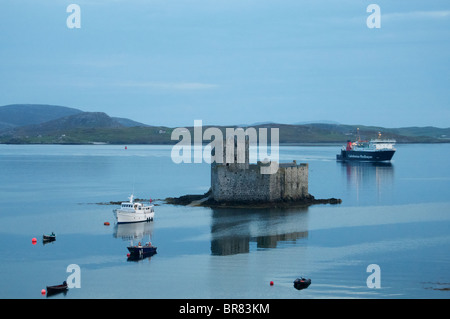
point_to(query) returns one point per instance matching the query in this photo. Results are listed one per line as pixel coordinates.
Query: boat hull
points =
(124, 217)
(366, 156)
(142, 250)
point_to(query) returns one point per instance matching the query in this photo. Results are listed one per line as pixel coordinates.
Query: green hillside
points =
(49, 124)
(289, 134)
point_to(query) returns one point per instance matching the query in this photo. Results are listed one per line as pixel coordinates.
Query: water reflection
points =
(133, 231)
(370, 176)
(141, 232)
(54, 293)
(234, 230)
(137, 258)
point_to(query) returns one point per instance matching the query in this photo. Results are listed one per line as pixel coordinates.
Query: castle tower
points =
(234, 179)
(234, 152)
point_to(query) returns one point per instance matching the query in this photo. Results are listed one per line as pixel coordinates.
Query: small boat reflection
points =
(48, 238)
(57, 289)
(137, 258)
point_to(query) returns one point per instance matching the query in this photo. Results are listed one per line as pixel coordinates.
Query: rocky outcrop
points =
(205, 200)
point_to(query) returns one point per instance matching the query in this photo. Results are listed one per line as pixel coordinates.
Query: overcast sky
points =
(170, 62)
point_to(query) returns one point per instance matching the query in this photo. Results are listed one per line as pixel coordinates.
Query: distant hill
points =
(404, 134)
(128, 122)
(340, 133)
(50, 124)
(84, 120)
(15, 115)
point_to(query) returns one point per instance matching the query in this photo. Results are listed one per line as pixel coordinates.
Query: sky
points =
(227, 62)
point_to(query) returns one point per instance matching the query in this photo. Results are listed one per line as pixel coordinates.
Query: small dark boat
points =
(48, 238)
(142, 250)
(302, 283)
(53, 290)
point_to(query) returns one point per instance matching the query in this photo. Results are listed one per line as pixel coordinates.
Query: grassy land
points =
(292, 134)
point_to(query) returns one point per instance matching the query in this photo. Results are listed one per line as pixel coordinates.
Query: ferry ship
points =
(375, 150)
(131, 212)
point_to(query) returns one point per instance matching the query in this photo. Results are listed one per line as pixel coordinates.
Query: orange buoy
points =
(106, 223)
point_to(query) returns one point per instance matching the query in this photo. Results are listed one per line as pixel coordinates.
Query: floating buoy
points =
(34, 241)
(271, 283)
(128, 255)
(43, 292)
(126, 147)
(106, 223)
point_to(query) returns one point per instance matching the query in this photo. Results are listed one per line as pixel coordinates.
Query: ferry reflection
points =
(368, 176)
(234, 231)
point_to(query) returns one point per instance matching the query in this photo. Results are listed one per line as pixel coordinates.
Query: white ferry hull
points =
(132, 217)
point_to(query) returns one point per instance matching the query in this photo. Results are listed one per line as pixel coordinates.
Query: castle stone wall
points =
(244, 182)
(232, 183)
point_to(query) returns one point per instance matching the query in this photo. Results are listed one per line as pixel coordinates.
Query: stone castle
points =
(240, 181)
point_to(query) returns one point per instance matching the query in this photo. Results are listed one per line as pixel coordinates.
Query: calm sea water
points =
(396, 216)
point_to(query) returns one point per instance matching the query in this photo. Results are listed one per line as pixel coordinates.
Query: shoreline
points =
(443, 141)
(205, 200)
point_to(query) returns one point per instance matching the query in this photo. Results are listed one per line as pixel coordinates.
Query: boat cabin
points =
(382, 144)
(136, 206)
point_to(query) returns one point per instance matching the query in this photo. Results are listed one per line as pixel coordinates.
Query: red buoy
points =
(34, 241)
(106, 223)
(43, 292)
(128, 255)
(271, 283)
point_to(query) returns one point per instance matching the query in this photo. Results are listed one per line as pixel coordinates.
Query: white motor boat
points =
(131, 212)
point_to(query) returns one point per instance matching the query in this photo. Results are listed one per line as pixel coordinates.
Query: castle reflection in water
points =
(239, 230)
(234, 231)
